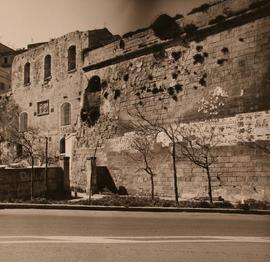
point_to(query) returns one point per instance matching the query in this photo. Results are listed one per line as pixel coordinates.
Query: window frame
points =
(23, 123)
(63, 123)
(44, 113)
(47, 67)
(72, 56)
(27, 74)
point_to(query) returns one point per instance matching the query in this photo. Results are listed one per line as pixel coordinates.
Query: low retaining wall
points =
(16, 183)
(241, 172)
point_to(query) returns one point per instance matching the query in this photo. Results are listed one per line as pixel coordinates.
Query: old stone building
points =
(6, 57)
(47, 82)
(168, 71)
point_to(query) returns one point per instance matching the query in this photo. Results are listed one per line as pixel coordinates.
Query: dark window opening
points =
(47, 67)
(72, 58)
(23, 123)
(94, 85)
(27, 73)
(90, 112)
(62, 145)
(65, 114)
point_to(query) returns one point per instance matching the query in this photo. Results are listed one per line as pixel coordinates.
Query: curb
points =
(131, 209)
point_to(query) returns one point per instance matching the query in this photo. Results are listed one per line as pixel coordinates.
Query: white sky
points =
(27, 21)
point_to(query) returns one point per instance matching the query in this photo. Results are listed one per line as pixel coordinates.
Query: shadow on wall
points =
(105, 181)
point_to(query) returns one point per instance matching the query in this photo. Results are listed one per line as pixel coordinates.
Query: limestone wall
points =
(16, 183)
(172, 79)
(242, 170)
(236, 60)
(63, 86)
(5, 80)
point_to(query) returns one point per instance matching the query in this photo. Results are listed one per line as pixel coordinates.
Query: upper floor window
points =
(72, 58)
(2, 86)
(47, 67)
(23, 122)
(66, 114)
(27, 73)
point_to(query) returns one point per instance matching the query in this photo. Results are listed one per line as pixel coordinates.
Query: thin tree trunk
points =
(175, 174)
(152, 187)
(0, 155)
(209, 185)
(32, 175)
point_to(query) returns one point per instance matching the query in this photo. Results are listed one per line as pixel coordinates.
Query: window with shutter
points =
(65, 114)
(27, 73)
(23, 123)
(47, 67)
(72, 58)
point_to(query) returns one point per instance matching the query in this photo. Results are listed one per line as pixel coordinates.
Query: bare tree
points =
(143, 147)
(8, 120)
(199, 140)
(146, 126)
(199, 146)
(31, 144)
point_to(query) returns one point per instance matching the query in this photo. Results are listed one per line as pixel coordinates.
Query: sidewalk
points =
(130, 209)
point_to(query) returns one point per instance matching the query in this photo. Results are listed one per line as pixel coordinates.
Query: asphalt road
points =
(78, 236)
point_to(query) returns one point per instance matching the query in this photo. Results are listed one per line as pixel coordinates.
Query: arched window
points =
(27, 73)
(23, 122)
(71, 58)
(47, 67)
(66, 114)
(62, 145)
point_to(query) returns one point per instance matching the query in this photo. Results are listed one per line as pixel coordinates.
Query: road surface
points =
(80, 236)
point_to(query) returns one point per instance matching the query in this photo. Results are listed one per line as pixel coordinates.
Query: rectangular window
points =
(43, 108)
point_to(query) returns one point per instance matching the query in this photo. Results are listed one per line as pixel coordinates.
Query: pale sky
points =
(28, 21)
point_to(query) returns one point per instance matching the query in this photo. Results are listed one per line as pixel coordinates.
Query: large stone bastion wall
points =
(222, 53)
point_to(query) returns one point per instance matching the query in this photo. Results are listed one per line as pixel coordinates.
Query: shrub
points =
(131, 201)
(253, 204)
(217, 19)
(166, 28)
(223, 204)
(190, 29)
(201, 8)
